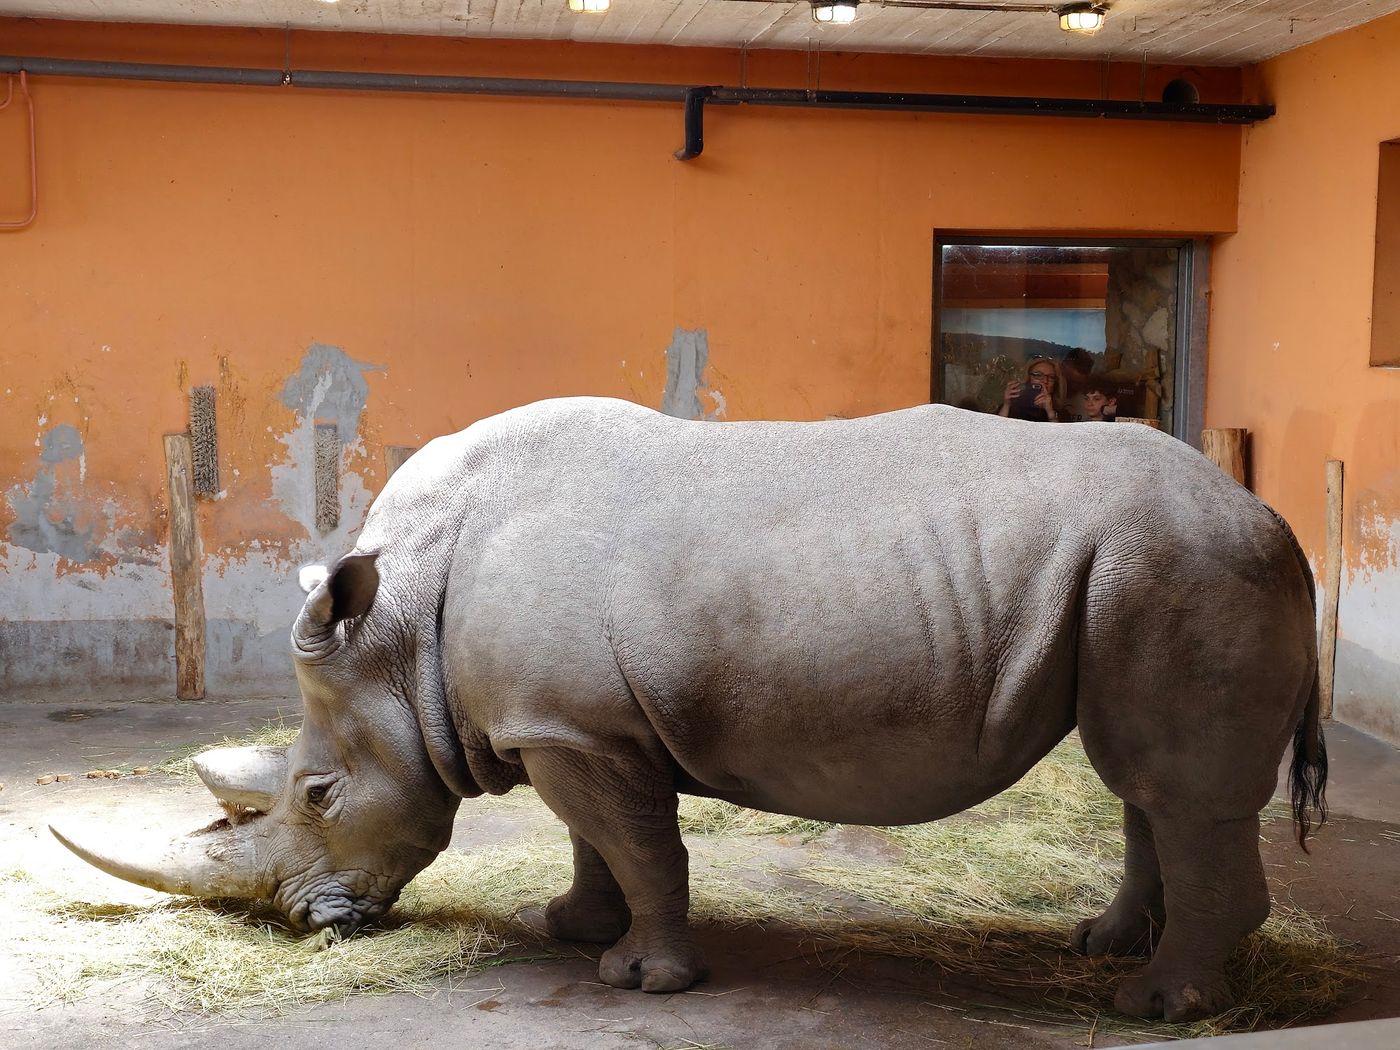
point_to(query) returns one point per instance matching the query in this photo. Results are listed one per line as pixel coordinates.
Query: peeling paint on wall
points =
(43, 522)
(1368, 644)
(686, 360)
(328, 388)
(1377, 529)
(37, 588)
(61, 444)
(1370, 602)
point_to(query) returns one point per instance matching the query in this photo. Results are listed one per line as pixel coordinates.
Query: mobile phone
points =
(1025, 400)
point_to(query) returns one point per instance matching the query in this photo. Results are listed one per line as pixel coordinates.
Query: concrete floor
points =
(766, 989)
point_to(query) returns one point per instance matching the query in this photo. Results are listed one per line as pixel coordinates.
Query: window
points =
(1110, 317)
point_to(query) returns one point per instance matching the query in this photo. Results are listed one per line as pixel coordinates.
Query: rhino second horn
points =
(245, 776)
(219, 862)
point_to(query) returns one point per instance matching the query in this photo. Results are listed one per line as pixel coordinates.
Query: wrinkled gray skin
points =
(874, 621)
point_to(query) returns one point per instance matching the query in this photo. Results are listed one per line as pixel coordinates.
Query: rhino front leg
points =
(1138, 910)
(1216, 895)
(594, 909)
(625, 809)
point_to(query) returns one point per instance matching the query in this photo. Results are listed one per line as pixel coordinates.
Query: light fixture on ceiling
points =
(834, 12)
(589, 7)
(1082, 18)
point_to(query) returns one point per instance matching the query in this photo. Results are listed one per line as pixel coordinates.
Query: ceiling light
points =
(834, 12)
(1081, 18)
(589, 7)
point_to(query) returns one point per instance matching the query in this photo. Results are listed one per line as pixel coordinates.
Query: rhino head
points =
(331, 828)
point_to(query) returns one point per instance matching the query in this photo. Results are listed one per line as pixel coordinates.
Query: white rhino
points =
(873, 621)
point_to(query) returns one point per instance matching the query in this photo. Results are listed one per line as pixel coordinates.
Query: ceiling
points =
(1193, 32)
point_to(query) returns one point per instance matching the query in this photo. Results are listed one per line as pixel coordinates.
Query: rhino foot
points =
(596, 920)
(1174, 997)
(653, 963)
(1116, 932)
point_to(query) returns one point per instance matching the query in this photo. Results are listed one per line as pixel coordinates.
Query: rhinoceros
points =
(874, 621)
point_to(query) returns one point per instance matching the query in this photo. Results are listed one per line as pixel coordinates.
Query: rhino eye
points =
(316, 795)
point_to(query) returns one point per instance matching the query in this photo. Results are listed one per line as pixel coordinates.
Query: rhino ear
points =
(345, 591)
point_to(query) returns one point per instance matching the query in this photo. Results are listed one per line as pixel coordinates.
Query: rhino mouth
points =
(342, 902)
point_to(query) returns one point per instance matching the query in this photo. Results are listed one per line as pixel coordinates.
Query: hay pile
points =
(215, 958)
(989, 896)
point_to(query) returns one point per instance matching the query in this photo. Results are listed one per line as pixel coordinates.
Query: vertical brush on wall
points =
(327, 477)
(204, 441)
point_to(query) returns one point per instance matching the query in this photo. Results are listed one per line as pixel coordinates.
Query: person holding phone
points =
(1039, 397)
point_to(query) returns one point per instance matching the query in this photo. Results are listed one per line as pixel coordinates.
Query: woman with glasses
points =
(1039, 397)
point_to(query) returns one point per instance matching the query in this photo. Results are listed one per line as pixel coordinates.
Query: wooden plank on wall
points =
(1225, 447)
(395, 456)
(185, 569)
(1331, 586)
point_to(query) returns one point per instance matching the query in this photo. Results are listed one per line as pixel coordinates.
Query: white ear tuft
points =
(312, 576)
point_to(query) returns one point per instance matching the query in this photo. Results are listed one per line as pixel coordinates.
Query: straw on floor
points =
(989, 896)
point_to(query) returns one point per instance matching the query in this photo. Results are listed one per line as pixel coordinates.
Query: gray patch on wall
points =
(686, 359)
(61, 444)
(330, 384)
(39, 525)
(328, 390)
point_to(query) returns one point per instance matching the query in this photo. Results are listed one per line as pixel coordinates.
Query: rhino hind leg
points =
(595, 909)
(1135, 918)
(625, 811)
(1216, 894)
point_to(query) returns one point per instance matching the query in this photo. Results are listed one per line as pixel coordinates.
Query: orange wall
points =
(483, 253)
(1290, 337)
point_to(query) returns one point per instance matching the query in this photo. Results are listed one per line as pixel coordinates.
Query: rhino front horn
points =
(245, 776)
(220, 861)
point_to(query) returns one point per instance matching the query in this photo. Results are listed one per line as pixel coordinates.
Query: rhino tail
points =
(1307, 776)
(1307, 779)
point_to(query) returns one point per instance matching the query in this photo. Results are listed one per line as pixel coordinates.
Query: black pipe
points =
(694, 122)
(693, 98)
(315, 78)
(67, 67)
(603, 90)
(999, 105)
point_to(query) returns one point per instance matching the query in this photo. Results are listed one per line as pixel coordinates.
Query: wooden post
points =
(185, 569)
(1331, 586)
(395, 456)
(1224, 446)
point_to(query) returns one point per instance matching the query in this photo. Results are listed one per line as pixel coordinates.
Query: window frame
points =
(1193, 313)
